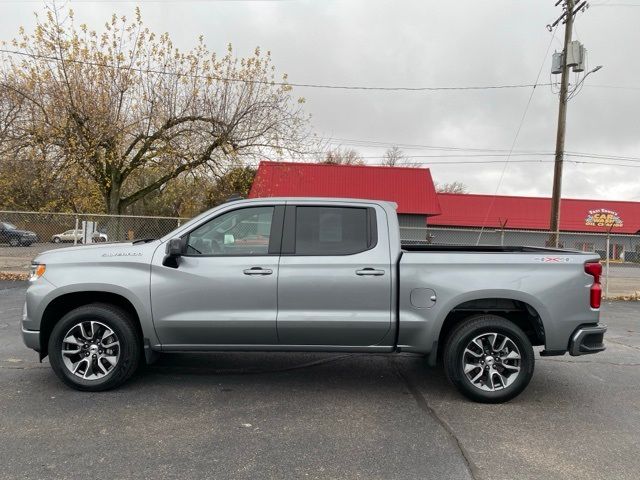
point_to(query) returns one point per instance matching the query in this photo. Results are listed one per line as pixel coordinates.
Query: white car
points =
(73, 235)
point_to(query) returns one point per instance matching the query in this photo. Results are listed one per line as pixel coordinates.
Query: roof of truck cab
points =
(411, 189)
(315, 199)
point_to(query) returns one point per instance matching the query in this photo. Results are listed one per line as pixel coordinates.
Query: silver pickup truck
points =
(311, 274)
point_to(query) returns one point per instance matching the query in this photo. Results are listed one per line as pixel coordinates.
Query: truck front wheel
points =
(94, 347)
(488, 359)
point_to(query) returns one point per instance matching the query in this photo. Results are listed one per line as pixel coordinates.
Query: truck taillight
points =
(595, 293)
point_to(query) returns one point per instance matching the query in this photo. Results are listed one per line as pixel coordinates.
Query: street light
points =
(579, 84)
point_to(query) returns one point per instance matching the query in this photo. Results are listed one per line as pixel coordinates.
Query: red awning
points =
(463, 210)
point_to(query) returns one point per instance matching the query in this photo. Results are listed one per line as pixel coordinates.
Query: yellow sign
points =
(602, 217)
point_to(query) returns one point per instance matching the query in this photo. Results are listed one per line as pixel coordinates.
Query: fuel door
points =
(423, 297)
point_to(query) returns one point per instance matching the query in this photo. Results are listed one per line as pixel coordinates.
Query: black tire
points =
(121, 323)
(56, 240)
(460, 338)
(14, 242)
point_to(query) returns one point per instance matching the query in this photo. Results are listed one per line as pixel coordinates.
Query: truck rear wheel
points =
(489, 359)
(94, 347)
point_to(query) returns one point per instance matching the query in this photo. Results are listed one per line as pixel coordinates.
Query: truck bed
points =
(483, 249)
(436, 279)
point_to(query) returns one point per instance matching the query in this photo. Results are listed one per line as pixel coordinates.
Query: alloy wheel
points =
(90, 350)
(491, 361)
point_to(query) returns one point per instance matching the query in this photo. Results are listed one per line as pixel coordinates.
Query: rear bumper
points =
(588, 339)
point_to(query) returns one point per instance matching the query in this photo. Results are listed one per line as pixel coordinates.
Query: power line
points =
(268, 82)
(411, 146)
(151, 1)
(602, 156)
(613, 87)
(484, 162)
(492, 156)
(510, 153)
(616, 5)
(466, 162)
(462, 155)
(515, 138)
(490, 151)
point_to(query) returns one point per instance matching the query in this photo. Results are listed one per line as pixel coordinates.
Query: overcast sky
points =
(431, 43)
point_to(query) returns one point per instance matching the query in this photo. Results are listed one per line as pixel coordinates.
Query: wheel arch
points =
(63, 304)
(517, 307)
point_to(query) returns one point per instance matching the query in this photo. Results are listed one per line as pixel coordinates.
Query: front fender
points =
(42, 293)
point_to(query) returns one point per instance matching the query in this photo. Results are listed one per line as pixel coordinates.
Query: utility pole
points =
(562, 123)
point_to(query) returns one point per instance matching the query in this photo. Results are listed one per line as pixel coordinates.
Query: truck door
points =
(224, 290)
(334, 283)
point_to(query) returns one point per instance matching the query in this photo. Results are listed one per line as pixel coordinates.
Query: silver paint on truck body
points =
(312, 303)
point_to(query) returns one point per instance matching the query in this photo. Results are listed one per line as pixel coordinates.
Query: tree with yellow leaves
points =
(126, 104)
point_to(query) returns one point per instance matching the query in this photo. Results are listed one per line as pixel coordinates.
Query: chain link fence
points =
(26, 234)
(69, 227)
(621, 247)
(23, 235)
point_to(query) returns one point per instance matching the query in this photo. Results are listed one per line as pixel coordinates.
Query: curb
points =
(634, 297)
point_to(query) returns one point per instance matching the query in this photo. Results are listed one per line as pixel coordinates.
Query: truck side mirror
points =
(176, 247)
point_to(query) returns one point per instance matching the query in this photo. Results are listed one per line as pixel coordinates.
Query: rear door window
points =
(332, 230)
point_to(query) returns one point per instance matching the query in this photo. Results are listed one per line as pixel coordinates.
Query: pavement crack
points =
(616, 364)
(424, 405)
(21, 367)
(254, 371)
(618, 342)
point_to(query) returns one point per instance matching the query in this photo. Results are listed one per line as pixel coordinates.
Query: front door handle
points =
(257, 271)
(370, 271)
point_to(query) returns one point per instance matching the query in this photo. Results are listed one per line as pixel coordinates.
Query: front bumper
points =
(30, 329)
(588, 339)
(31, 339)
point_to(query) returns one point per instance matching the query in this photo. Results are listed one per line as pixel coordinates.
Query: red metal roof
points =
(411, 188)
(463, 210)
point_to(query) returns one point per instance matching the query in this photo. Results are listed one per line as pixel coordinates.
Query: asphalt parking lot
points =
(320, 416)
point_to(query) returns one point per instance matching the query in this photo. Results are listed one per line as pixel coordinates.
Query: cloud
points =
(431, 43)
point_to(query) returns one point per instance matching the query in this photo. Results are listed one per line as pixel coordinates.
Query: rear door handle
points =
(370, 271)
(257, 271)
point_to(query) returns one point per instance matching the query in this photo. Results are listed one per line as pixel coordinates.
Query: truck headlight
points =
(37, 270)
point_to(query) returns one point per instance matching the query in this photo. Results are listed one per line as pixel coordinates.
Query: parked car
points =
(72, 235)
(15, 237)
(311, 275)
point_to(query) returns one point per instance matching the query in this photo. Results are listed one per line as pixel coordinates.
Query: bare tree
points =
(127, 104)
(338, 156)
(453, 187)
(393, 157)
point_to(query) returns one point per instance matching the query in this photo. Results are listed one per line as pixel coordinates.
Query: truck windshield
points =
(10, 226)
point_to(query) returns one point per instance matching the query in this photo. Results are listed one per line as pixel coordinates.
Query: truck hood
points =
(97, 253)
